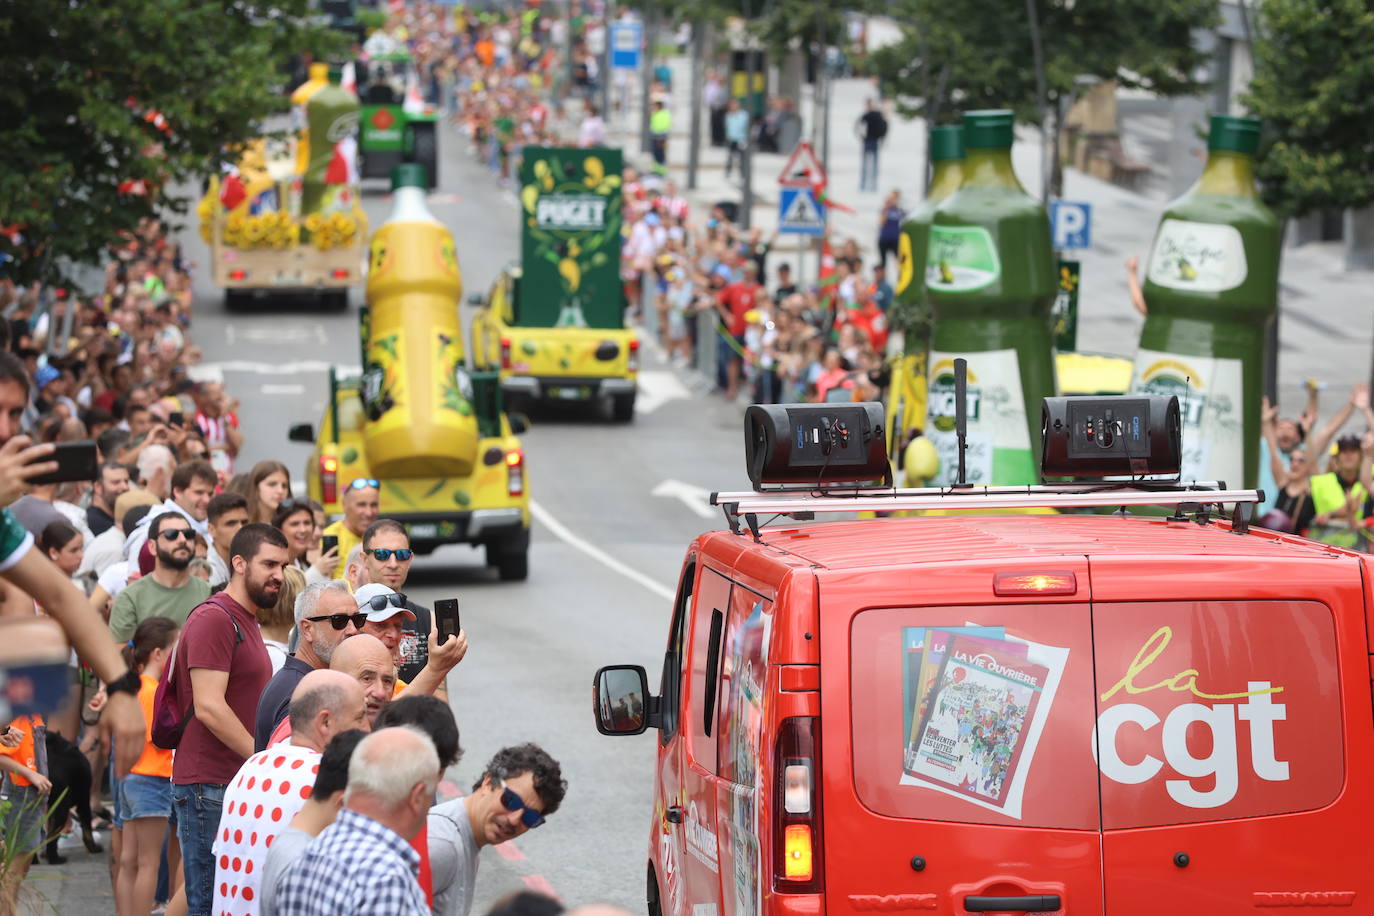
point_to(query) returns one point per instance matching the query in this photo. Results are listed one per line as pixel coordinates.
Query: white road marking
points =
(657, 388)
(283, 389)
(695, 498)
(215, 371)
(545, 518)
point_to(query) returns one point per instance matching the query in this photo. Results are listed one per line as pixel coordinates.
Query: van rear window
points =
(975, 715)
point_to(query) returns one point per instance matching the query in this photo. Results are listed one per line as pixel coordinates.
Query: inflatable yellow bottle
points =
(420, 417)
(319, 78)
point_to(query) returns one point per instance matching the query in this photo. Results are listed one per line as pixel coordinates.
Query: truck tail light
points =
(238, 275)
(796, 815)
(632, 363)
(515, 472)
(329, 478)
(505, 352)
(340, 273)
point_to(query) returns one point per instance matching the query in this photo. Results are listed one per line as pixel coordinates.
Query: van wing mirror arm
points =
(652, 717)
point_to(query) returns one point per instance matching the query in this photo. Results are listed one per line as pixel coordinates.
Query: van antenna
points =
(961, 416)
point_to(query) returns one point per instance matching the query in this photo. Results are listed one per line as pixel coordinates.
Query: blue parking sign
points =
(1070, 225)
(626, 37)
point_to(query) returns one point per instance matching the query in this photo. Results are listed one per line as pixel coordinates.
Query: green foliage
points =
(1314, 87)
(959, 55)
(77, 80)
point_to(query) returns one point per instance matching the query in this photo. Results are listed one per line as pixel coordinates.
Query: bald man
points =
(367, 659)
(272, 786)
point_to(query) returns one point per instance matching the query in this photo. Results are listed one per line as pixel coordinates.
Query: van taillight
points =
(796, 837)
(505, 352)
(515, 472)
(632, 363)
(329, 478)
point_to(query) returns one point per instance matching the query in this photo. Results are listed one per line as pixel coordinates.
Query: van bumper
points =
(794, 905)
(475, 526)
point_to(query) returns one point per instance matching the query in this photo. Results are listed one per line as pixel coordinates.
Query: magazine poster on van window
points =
(982, 722)
(924, 651)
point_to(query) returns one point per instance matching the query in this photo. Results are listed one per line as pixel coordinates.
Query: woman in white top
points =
(295, 518)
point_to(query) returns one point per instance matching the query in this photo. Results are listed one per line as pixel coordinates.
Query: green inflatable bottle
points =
(331, 117)
(1211, 289)
(913, 313)
(990, 281)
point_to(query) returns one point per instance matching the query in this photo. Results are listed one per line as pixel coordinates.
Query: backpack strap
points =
(238, 638)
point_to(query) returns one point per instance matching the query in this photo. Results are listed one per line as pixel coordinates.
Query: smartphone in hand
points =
(446, 619)
(75, 461)
(328, 542)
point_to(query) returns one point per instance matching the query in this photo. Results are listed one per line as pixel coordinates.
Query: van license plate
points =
(569, 394)
(423, 531)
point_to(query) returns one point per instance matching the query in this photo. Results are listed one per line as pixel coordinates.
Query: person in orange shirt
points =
(485, 50)
(25, 765)
(145, 796)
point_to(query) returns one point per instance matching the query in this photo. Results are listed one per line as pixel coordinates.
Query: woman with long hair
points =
(268, 484)
(276, 622)
(295, 518)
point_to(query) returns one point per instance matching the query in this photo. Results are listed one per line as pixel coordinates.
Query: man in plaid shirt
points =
(363, 863)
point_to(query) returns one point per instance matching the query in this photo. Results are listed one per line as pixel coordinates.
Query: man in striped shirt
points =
(219, 425)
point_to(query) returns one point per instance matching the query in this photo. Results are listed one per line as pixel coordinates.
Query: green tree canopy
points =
(1314, 87)
(959, 55)
(97, 94)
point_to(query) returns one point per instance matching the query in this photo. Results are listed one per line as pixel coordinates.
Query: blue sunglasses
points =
(512, 802)
(362, 483)
(383, 553)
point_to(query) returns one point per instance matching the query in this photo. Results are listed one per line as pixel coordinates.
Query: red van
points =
(1006, 714)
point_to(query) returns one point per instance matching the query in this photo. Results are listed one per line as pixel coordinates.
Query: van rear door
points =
(1235, 734)
(957, 766)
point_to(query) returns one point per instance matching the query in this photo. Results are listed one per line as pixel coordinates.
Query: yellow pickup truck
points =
(489, 507)
(565, 362)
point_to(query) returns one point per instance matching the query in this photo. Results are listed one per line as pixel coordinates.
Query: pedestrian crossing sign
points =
(799, 213)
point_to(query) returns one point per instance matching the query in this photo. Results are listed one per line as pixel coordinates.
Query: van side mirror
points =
(518, 422)
(622, 702)
(301, 432)
(475, 299)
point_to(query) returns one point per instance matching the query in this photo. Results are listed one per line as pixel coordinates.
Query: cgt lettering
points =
(1222, 762)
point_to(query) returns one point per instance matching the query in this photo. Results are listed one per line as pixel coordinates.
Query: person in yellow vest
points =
(1339, 498)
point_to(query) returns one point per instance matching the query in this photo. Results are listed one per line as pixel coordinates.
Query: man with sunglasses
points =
(360, 504)
(325, 617)
(522, 785)
(387, 557)
(387, 612)
(169, 590)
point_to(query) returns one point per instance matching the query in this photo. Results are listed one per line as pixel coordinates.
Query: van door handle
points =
(674, 814)
(1029, 903)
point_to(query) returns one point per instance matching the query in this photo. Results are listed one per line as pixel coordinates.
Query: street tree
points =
(108, 102)
(1313, 85)
(960, 55)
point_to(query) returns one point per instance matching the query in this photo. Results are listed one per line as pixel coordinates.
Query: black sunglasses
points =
(176, 534)
(512, 802)
(339, 621)
(380, 602)
(383, 554)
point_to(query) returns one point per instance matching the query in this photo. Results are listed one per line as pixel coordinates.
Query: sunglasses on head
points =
(512, 802)
(383, 554)
(362, 483)
(380, 602)
(175, 534)
(339, 621)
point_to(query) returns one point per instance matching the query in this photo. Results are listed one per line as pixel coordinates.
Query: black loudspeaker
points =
(1130, 435)
(816, 444)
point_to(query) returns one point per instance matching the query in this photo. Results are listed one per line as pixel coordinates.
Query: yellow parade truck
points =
(447, 460)
(554, 327)
(290, 221)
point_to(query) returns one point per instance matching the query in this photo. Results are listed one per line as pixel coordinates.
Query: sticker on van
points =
(980, 706)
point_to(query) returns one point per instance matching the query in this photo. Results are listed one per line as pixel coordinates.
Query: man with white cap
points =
(387, 614)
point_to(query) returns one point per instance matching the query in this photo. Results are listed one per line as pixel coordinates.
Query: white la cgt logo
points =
(1257, 707)
(1259, 710)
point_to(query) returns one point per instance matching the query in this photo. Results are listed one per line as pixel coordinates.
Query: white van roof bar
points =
(804, 505)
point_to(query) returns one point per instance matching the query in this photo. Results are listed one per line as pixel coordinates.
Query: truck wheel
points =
(336, 300)
(623, 407)
(426, 151)
(654, 907)
(514, 567)
(234, 299)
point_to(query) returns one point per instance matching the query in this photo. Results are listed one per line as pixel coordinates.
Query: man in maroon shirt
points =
(220, 669)
(734, 302)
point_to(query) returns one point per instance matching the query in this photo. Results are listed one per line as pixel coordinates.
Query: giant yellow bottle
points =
(319, 78)
(420, 417)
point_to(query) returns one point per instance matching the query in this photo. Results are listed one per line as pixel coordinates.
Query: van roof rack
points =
(1196, 498)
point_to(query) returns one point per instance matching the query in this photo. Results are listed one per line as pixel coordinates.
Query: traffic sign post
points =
(626, 39)
(799, 213)
(1065, 313)
(1071, 225)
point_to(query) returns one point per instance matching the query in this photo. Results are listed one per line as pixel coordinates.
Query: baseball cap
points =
(1345, 443)
(372, 590)
(44, 375)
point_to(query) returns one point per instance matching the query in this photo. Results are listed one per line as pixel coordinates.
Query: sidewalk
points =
(1327, 324)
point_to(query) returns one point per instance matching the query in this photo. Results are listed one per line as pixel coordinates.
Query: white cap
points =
(372, 590)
